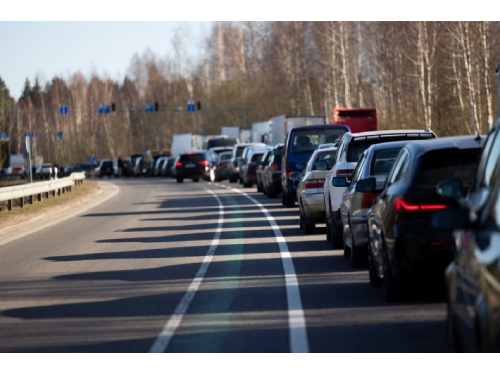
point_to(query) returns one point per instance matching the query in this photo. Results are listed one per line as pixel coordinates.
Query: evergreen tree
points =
(27, 89)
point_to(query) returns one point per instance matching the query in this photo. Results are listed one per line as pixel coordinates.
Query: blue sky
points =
(63, 48)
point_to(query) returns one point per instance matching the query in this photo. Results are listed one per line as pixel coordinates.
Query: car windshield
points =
(436, 167)
(328, 156)
(225, 156)
(383, 160)
(307, 141)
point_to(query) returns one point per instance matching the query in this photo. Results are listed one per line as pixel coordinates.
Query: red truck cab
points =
(358, 119)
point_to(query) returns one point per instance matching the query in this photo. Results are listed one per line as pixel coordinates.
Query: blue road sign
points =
(60, 135)
(3, 135)
(150, 108)
(31, 135)
(190, 105)
(104, 109)
(63, 110)
(91, 160)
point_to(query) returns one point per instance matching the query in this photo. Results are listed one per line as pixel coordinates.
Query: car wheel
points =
(347, 249)
(301, 222)
(394, 289)
(232, 178)
(196, 179)
(328, 231)
(375, 281)
(358, 258)
(309, 228)
(180, 180)
(335, 235)
(289, 199)
(259, 188)
(271, 193)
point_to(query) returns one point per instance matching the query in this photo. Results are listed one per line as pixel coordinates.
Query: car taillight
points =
(288, 173)
(252, 164)
(178, 164)
(404, 204)
(204, 163)
(315, 184)
(367, 199)
(347, 173)
(274, 168)
(191, 153)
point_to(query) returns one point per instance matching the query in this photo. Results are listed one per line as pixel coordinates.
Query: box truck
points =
(245, 136)
(231, 131)
(281, 125)
(183, 143)
(261, 132)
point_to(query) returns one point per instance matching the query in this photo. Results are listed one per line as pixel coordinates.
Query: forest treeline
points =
(438, 75)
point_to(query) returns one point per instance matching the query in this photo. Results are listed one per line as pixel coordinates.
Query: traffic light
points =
(157, 106)
(198, 106)
(113, 107)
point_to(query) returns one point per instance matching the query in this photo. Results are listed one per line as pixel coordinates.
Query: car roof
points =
(459, 142)
(331, 126)
(389, 145)
(348, 136)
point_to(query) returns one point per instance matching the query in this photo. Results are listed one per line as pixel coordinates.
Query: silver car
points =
(376, 161)
(310, 188)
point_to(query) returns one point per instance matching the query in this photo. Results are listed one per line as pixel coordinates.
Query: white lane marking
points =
(296, 319)
(175, 320)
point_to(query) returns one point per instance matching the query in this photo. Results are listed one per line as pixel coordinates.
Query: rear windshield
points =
(170, 162)
(193, 158)
(356, 148)
(225, 157)
(257, 157)
(436, 167)
(307, 141)
(221, 142)
(383, 160)
(239, 151)
(107, 164)
(328, 156)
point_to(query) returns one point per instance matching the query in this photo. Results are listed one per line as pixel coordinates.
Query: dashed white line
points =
(166, 335)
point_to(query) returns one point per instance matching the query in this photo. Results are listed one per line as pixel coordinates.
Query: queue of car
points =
(414, 209)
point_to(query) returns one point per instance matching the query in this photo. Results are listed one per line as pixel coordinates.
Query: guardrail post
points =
(21, 202)
(39, 197)
(58, 192)
(53, 193)
(32, 199)
(9, 205)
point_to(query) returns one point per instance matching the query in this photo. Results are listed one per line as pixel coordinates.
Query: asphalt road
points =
(131, 275)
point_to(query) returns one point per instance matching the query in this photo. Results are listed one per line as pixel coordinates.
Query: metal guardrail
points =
(47, 188)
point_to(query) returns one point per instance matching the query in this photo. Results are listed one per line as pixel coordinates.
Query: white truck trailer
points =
(245, 136)
(183, 143)
(231, 131)
(261, 132)
(281, 125)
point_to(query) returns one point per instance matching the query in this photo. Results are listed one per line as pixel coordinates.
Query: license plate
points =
(190, 165)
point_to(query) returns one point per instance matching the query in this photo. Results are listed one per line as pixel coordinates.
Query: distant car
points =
(404, 249)
(238, 149)
(310, 188)
(219, 150)
(261, 167)
(222, 167)
(219, 141)
(44, 171)
(18, 170)
(196, 165)
(159, 164)
(166, 170)
(272, 174)
(84, 167)
(249, 168)
(106, 168)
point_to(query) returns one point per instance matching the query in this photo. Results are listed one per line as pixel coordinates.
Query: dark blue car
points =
(300, 143)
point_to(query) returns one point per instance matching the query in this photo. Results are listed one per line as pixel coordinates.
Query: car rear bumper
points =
(313, 206)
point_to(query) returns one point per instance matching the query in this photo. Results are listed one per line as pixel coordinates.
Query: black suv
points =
(403, 247)
(196, 165)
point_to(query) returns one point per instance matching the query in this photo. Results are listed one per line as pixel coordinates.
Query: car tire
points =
(271, 193)
(347, 249)
(328, 231)
(180, 180)
(196, 179)
(259, 188)
(232, 178)
(301, 222)
(358, 258)
(375, 281)
(394, 289)
(289, 199)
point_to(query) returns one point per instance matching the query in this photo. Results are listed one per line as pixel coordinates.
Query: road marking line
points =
(296, 319)
(166, 335)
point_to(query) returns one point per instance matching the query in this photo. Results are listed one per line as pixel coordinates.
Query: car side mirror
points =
(321, 165)
(451, 188)
(296, 176)
(340, 182)
(368, 185)
(451, 219)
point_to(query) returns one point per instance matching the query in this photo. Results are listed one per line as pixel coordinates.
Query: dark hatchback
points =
(196, 165)
(300, 143)
(403, 247)
(272, 174)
